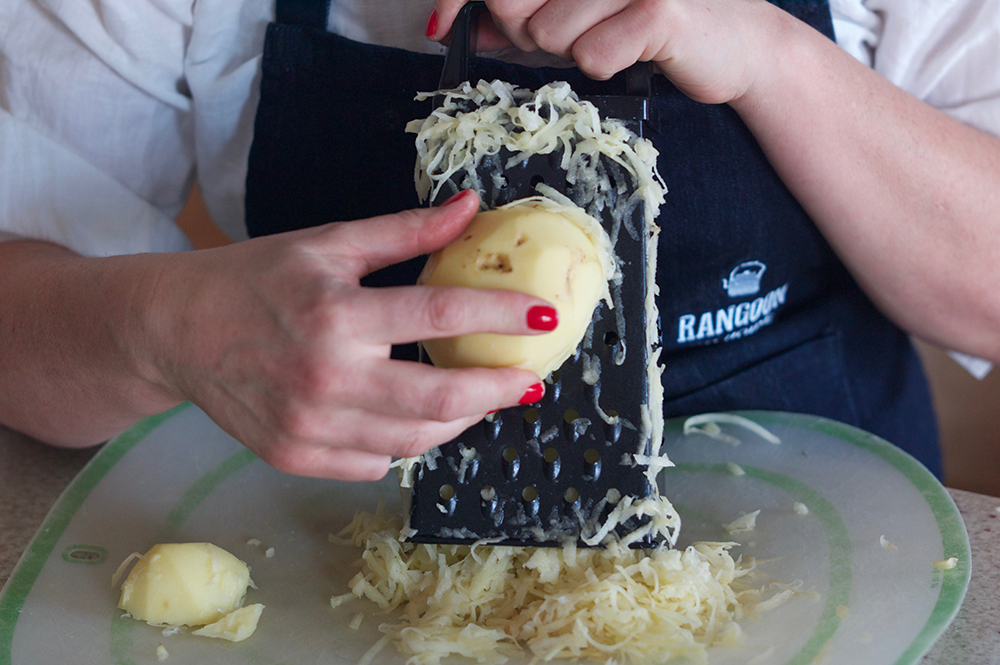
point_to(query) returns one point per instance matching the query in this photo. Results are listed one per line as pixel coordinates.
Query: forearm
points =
(73, 329)
(908, 197)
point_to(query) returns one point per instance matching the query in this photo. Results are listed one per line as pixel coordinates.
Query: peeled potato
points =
(556, 252)
(184, 584)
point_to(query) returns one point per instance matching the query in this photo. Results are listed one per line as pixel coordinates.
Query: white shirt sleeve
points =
(945, 53)
(96, 140)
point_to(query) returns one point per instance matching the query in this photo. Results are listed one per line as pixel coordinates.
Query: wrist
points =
(153, 311)
(72, 366)
(783, 59)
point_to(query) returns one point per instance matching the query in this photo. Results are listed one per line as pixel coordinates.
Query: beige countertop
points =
(33, 476)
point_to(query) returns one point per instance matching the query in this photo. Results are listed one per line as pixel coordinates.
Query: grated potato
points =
(614, 605)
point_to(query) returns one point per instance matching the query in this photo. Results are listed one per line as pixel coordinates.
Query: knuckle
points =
(506, 12)
(444, 311)
(311, 384)
(545, 39)
(592, 64)
(295, 422)
(344, 318)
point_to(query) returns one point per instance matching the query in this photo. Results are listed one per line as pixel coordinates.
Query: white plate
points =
(178, 477)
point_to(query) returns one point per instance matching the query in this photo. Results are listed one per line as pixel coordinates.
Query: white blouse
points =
(109, 109)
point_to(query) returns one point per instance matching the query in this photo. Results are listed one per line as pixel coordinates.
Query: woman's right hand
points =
(276, 340)
(712, 50)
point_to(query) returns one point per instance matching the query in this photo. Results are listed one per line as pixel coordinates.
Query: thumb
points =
(371, 244)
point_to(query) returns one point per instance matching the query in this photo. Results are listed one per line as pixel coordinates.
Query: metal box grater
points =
(532, 475)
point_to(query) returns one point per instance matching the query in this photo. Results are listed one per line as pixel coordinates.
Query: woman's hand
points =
(276, 340)
(273, 338)
(710, 49)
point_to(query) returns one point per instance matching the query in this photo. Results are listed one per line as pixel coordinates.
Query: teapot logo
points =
(744, 280)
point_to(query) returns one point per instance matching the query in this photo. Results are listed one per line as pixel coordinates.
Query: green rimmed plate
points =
(177, 477)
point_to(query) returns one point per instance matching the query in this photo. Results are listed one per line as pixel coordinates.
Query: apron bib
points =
(756, 311)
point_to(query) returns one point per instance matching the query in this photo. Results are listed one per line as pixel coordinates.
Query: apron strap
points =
(303, 12)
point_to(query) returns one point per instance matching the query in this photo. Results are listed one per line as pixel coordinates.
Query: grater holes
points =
(612, 430)
(551, 464)
(490, 505)
(571, 495)
(592, 464)
(573, 425)
(529, 496)
(613, 496)
(469, 465)
(537, 180)
(446, 499)
(532, 423)
(611, 338)
(511, 462)
(492, 423)
(555, 386)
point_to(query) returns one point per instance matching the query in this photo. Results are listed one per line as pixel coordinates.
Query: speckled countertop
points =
(33, 476)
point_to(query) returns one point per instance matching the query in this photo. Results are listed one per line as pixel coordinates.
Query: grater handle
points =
(461, 47)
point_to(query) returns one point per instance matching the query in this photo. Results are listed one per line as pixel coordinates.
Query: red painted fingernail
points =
(456, 197)
(432, 25)
(533, 394)
(543, 317)
(490, 413)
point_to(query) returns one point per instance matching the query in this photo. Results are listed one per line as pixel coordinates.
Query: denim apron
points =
(756, 311)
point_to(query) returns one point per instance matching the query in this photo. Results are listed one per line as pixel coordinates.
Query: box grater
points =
(535, 475)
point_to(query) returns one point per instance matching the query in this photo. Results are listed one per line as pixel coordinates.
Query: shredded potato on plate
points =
(489, 603)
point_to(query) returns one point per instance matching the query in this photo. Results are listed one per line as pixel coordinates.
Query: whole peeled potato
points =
(536, 246)
(184, 584)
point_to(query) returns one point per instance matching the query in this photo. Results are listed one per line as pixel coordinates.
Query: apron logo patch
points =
(739, 319)
(744, 280)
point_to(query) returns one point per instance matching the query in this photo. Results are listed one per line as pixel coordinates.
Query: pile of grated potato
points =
(490, 603)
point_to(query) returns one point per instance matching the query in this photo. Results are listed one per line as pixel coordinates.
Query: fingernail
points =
(490, 413)
(543, 317)
(456, 197)
(432, 25)
(532, 394)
